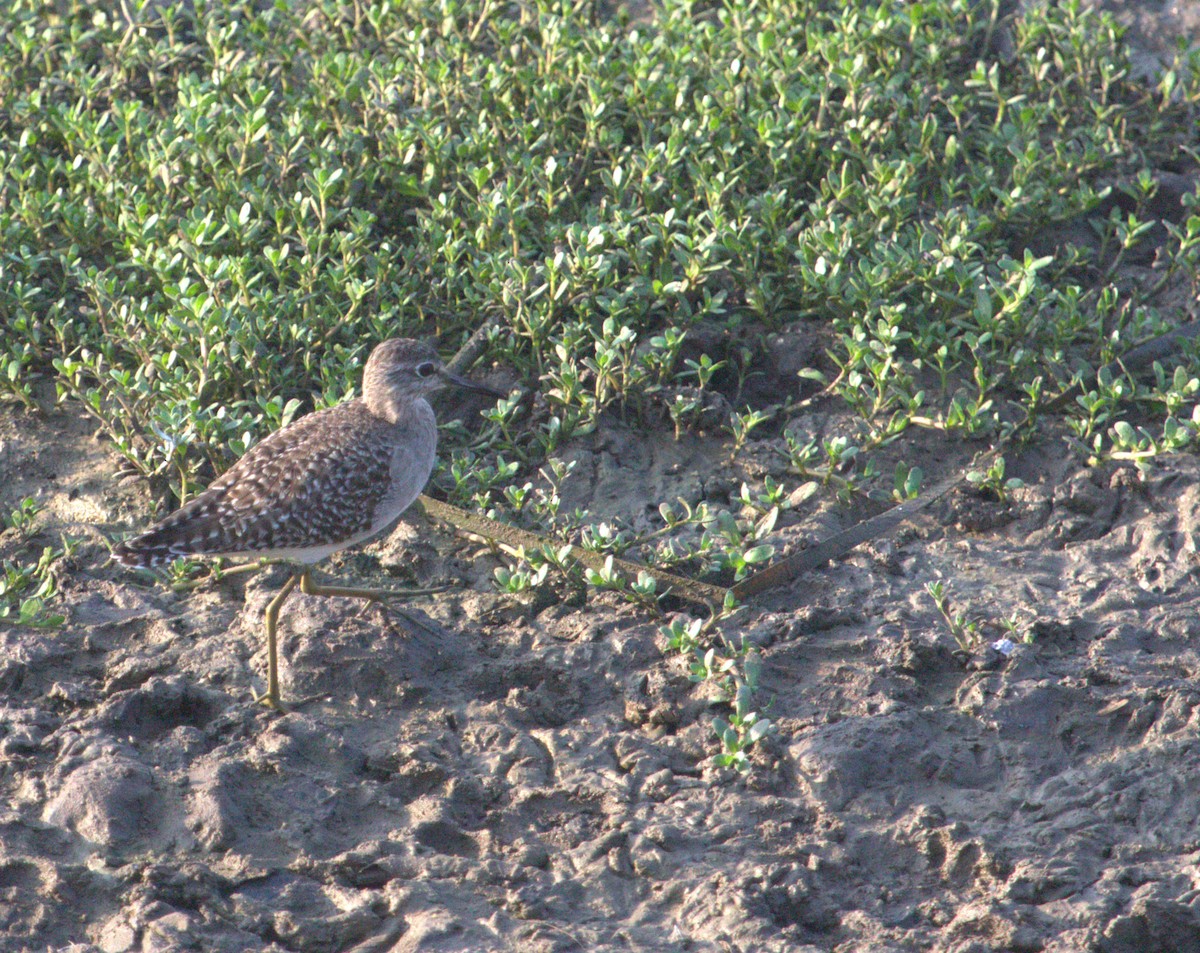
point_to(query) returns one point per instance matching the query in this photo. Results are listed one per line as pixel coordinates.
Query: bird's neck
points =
(396, 409)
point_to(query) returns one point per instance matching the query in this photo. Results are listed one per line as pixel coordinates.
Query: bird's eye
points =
(426, 369)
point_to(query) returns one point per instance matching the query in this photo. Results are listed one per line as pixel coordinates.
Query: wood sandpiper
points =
(327, 481)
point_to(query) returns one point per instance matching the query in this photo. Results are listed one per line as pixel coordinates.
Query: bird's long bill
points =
(467, 384)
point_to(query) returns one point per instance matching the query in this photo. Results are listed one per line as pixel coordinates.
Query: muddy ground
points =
(537, 781)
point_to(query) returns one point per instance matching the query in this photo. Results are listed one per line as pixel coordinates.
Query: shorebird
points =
(325, 482)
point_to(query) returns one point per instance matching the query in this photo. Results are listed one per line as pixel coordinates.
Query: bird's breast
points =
(414, 447)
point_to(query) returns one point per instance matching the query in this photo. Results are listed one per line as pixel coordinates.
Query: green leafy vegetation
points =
(966, 631)
(27, 582)
(992, 480)
(734, 671)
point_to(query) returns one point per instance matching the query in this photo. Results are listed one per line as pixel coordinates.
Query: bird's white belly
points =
(307, 554)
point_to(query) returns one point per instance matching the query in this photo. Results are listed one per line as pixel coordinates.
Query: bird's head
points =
(404, 369)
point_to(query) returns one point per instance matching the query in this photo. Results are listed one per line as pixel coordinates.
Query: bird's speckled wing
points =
(313, 483)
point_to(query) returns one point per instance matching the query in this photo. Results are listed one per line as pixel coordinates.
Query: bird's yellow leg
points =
(311, 588)
(271, 698)
(381, 597)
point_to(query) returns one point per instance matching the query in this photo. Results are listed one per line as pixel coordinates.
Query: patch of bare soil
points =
(504, 779)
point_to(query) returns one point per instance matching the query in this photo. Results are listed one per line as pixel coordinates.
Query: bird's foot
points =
(385, 610)
(271, 701)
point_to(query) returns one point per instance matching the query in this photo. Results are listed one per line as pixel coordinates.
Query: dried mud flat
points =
(541, 780)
